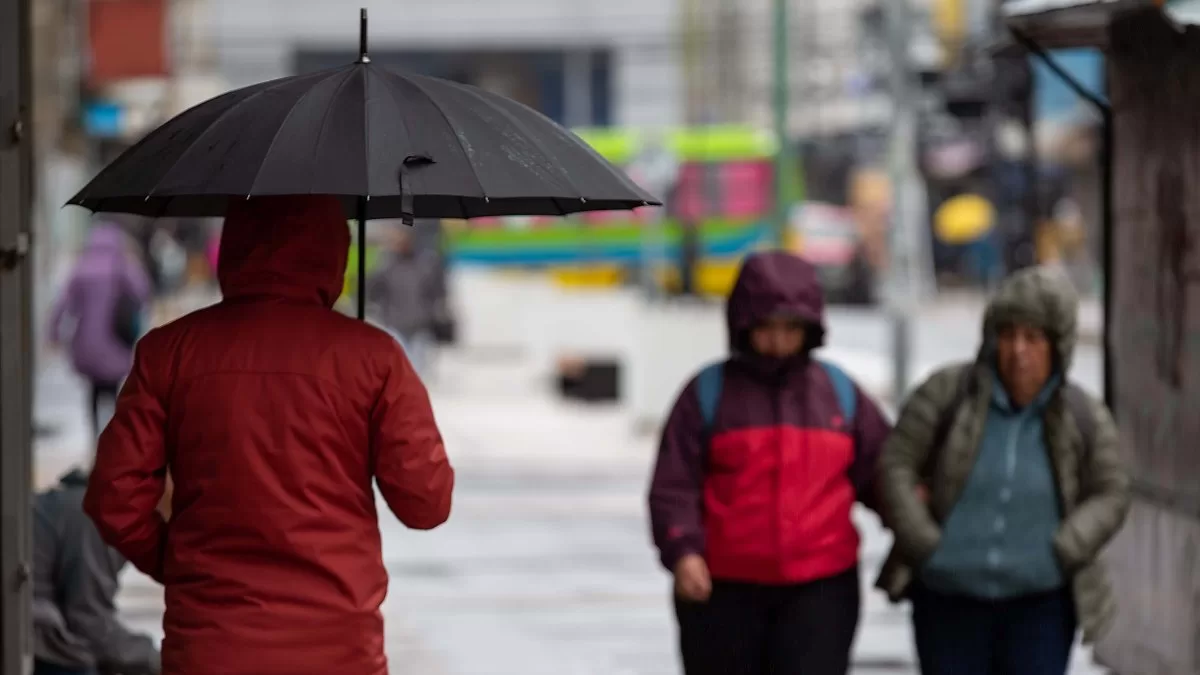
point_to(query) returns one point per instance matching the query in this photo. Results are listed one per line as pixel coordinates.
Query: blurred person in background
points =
(406, 293)
(1002, 483)
(75, 583)
(100, 311)
(273, 415)
(761, 461)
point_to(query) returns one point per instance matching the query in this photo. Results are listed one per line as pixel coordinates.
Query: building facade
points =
(581, 62)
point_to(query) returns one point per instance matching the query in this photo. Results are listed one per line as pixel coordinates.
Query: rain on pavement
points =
(545, 567)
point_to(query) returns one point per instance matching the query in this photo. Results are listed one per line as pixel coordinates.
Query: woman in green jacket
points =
(1002, 482)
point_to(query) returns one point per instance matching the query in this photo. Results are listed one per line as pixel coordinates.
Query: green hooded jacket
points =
(1093, 483)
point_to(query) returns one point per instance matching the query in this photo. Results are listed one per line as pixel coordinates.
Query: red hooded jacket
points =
(765, 494)
(274, 414)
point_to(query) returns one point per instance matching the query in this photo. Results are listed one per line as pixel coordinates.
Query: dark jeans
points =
(101, 392)
(1029, 635)
(752, 629)
(44, 668)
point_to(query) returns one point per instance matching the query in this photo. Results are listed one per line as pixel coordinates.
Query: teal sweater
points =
(997, 542)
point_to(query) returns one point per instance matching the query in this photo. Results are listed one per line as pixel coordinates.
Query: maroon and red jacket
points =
(765, 493)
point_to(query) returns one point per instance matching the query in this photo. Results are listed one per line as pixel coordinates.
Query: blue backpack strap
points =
(843, 387)
(708, 391)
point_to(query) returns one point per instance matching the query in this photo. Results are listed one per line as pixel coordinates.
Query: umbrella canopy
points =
(406, 145)
(390, 145)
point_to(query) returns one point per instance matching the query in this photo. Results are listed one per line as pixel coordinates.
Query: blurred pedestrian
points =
(406, 294)
(273, 413)
(75, 583)
(101, 309)
(1002, 482)
(762, 459)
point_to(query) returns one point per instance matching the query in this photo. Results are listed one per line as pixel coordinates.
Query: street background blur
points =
(759, 123)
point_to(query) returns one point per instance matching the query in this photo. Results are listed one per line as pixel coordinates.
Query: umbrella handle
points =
(406, 197)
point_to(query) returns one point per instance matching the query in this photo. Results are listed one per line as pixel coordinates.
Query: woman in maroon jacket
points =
(761, 461)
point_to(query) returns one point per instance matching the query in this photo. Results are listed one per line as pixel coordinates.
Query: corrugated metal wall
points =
(1155, 85)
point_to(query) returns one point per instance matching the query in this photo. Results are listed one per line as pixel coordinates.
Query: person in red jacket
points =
(274, 415)
(761, 461)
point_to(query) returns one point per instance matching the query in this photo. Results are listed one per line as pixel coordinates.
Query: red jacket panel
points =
(777, 505)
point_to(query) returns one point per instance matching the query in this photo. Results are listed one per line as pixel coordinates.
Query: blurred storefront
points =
(543, 79)
(127, 87)
(579, 62)
(1152, 313)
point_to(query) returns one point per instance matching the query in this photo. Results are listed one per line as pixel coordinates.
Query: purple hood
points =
(104, 271)
(773, 283)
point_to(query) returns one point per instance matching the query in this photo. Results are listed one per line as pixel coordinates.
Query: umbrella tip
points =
(362, 36)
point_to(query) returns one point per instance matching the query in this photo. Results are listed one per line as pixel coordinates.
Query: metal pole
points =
(904, 230)
(1107, 263)
(16, 352)
(781, 100)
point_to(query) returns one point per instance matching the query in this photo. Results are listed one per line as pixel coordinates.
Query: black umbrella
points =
(390, 145)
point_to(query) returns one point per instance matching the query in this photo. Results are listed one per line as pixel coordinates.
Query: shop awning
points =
(1055, 24)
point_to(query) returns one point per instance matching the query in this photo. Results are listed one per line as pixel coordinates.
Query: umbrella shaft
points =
(362, 258)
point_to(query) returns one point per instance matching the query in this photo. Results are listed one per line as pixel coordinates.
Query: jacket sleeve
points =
(128, 476)
(93, 615)
(1104, 497)
(871, 431)
(410, 461)
(905, 454)
(677, 486)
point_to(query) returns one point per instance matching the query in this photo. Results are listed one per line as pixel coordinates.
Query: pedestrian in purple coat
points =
(105, 275)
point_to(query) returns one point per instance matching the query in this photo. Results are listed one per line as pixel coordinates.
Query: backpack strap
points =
(1080, 407)
(843, 387)
(708, 391)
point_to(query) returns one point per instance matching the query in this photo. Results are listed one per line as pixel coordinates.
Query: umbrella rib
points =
(275, 137)
(325, 117)
(537, 143)
(122, 159)
(437, 106)
(401, 109)
(212, 125)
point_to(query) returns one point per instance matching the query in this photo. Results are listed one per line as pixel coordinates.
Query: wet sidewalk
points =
(545, 566)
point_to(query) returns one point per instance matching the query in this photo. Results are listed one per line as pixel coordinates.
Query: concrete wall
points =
(1156, 86)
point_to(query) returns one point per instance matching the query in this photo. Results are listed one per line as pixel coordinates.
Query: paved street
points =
(545, 567)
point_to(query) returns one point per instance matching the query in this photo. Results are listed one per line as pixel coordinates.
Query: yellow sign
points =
(963, 219)
(949, 20)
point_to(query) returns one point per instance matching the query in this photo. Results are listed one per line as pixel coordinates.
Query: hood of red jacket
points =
(289, 246)
(773, 283)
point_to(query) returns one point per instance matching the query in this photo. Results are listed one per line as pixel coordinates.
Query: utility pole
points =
(16, 351)
(782, 95)
(906, 282)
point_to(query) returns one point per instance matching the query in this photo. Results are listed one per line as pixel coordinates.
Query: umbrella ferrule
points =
(362, 36)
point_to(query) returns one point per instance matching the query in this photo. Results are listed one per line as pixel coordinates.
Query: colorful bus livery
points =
(723, 187)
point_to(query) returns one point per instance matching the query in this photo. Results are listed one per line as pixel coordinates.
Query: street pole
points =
(904, 280)
(781, 99)
(16, 350)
